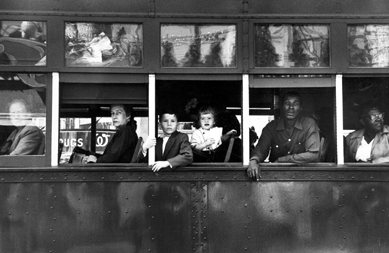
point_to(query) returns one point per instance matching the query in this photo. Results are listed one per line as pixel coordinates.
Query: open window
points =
(318, 99)
(85, 114)
(365, 126)
(222, 99)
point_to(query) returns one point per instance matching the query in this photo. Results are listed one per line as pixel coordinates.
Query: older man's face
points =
(291, 107)
(18, 114)
(374, 120)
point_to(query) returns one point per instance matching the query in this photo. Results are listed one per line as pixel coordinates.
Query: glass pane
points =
(368, 46)
(221, 103)
(365, 102)
(291, 46)
(103, 44)
(198, 46)
(311, 114)
(23, 43)
(22, 114)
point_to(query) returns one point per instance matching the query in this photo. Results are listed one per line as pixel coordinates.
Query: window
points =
(365, 103)
(86, 122)
(103, 44)
(23, 43)
(290, 46)
(219, 100)
(198, 46)
(368, 46)
(22, 114)
(317, 104)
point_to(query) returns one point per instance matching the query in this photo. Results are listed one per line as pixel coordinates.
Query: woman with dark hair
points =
(122, 145)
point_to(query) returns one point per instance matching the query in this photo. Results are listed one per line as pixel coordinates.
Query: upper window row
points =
(192, 45)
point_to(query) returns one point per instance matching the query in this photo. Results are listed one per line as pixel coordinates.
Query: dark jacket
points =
(121, 147)
(178, 151)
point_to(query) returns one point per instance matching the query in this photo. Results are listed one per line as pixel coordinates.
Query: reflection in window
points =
(316, 108)
(291, 46)
(365, 125)
(103, 44)
(22, 114)
(368, 45)
(23, 43)
(198, 46)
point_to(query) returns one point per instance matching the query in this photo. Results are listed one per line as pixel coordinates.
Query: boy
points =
(172, 148)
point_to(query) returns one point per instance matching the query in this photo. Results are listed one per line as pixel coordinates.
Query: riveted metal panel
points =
(199, 221)
(303, 210)
(199, 7)
(95, 217)
(293, 7)
(133, 6)
(298, 217)
(311, 7)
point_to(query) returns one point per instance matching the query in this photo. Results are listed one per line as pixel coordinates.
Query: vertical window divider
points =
(339, 119)
(245, 119)
(152, 116)
(55, 119)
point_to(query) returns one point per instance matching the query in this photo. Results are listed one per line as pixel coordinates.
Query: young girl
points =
(208, 138)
